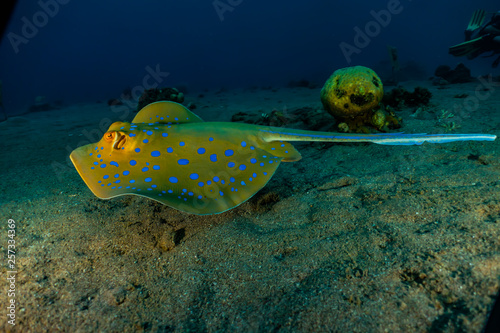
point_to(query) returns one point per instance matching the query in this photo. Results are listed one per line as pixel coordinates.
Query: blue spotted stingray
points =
(170, 155)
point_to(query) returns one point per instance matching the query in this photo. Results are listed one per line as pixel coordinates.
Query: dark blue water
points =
(84, 51)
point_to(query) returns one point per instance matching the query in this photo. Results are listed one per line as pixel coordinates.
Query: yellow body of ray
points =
(175, 158)
(170, 155)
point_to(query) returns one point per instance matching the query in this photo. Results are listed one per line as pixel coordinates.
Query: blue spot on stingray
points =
(182, 143)
(169, 150)
(105, 177)
(222, 181)
(117, 175)
(216, 179)
(145, 140)
(113, 163)
(155, 153)
(126, 172)
(201, 151)
(117, 181)
(265, 173)
(149, 132)
(148, 179)
(199, 197)
(271, 161)
(99, 156)
(254, 175)
(252, 147)
(92, 168)
(200, 184)
(164, 135)
(170, 191)
(144, 169)
(210, 139)
(137, 150)
(221, 193)
(113, 187)
(194, 176)
(131, 135)
(173, 180)
(230, 164)
(243, 144)
(91, 154)
(229, 152)
(209, 182)
(273, 148)
(242, 167)
(131, 181)
(176, 118)
(253, 160)
(232, 189)
(156, 167)
(213, 157)
(243, 183)
(232, 180)
(96, 163)
(154, 186)
(183, 161)
(190, 193)
(261, 164)
(133, 162)
(103, 165)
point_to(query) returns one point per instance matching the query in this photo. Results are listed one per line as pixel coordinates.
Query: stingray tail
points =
(397, 139)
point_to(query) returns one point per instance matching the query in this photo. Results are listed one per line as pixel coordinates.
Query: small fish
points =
(170, 155)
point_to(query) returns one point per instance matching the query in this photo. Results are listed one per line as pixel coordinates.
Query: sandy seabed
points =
(352, 238)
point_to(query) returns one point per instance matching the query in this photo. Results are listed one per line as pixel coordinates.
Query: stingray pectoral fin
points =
(165, 112)
(90, 173)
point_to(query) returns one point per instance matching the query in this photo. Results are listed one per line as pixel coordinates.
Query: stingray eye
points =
(109, 136)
